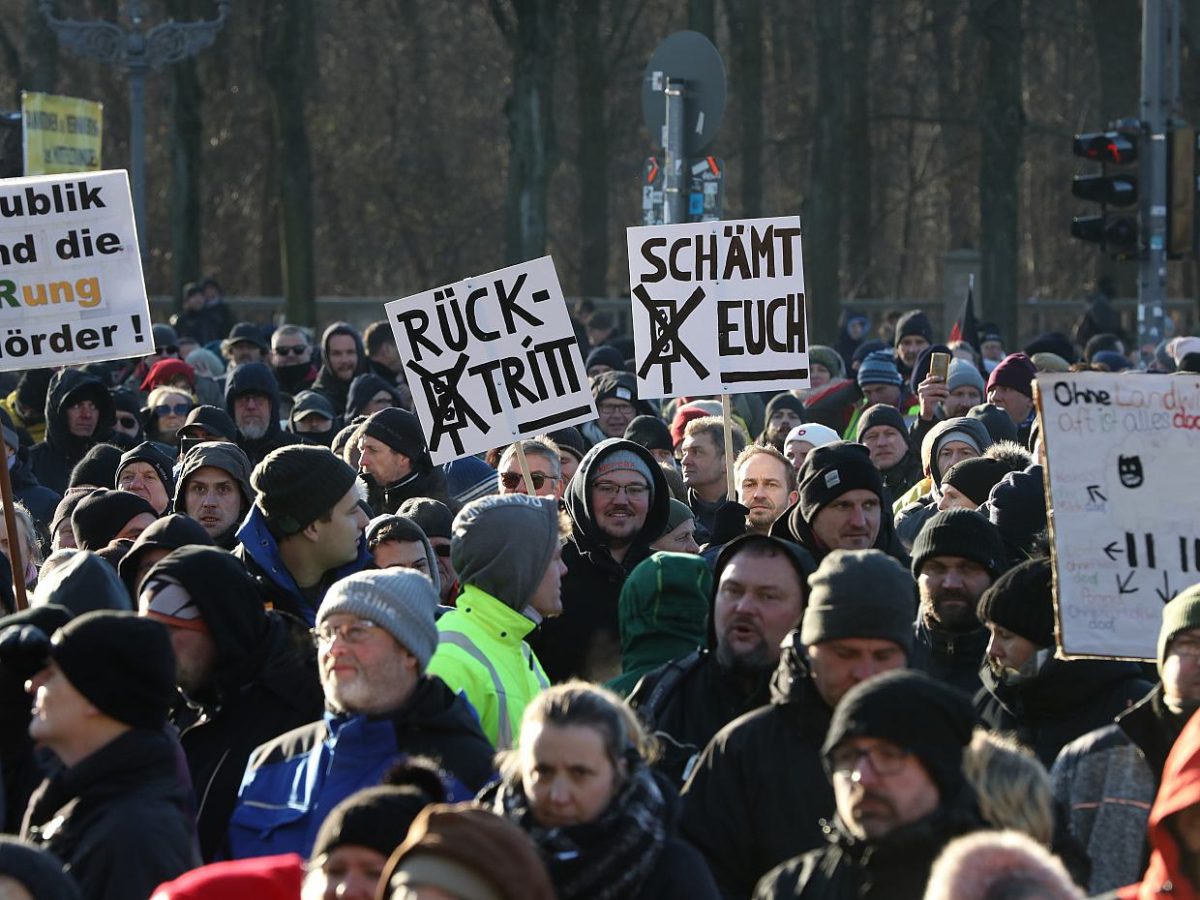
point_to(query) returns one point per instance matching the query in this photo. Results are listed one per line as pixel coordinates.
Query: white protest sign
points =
(718, 307)
(491, 359)
(71, 288)
(1122, 482)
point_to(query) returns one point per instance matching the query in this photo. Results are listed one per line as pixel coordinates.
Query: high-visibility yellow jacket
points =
(481, 653)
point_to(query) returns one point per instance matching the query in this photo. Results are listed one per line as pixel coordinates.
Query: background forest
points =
(381, 147)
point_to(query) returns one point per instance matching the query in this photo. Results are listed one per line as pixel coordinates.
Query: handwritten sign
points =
(1122, 477)
(71, 288)
(491, 360)
(718, 307)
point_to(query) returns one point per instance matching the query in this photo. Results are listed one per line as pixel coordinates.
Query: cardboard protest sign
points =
(71, 287)
(1122, 478)
(718, 307)
(61, 135)
(491, 359)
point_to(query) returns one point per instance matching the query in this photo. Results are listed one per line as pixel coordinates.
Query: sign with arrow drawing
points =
(1120, 456)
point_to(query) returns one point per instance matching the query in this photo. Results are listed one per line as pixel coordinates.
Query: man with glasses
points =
(617, 405)
(618, 503)
(894, 754)
(291, 359)
(1107, 779)
(544, 467)
(252, 399)
(375, 635)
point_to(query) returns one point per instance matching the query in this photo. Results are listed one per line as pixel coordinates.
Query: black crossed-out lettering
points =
(666, 348)
(451, 413)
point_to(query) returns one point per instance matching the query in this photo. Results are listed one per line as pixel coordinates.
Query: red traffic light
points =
(1113, 147)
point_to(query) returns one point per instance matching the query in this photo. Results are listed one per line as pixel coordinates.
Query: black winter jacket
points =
(53, 459)
(950, 658)
(584, 642)
(118, 819)
(265, 682)
(759, 791)
(257, 378)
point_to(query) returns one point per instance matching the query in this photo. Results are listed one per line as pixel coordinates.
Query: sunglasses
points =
(179, 409)
(291, 351)
(168, 350)
(127, 421)
(442, 550)
(512, 480)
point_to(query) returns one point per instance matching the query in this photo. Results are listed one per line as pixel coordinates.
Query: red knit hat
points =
(1015, 371)
(164, 371)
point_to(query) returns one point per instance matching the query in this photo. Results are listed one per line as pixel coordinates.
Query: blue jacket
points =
(292, 782)
(260, 553)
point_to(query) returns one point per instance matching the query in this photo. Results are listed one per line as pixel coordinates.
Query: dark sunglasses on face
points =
(127, 421)
(179, 409)
(169, 350)
(291, 351)
(512, 480)
(442, 550)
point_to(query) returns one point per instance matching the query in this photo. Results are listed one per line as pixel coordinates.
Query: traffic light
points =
(1117, 232)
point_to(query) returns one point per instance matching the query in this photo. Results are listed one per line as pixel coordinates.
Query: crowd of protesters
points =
(272, 650)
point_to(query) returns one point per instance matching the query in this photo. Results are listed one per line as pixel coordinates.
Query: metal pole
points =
(137, 150)
(674, 164)
(1157, 43)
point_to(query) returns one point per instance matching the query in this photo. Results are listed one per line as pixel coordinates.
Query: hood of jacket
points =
(67, 387)
(168, 533)
(229, 604)
(220, 455)
(792, 681)
(254, 378)
(326, 381)
(83, 583)
(933, 440)
(1179, 789)
(363, 388)
(578, 503)
(663, 609)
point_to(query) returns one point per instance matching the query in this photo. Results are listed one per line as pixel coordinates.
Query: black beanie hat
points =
(122, 664)
(375, 817)
(833, 470)
(997, 422)
(401, 431)
(212, 419)
(859, 594)
(915, 711)
(296, 485)
(32, 387)
(150, 454)
(1022, 601)
(571, 440)
(784, 400)
(651, 432)
(433, 516)
(36, 869)
(102, 514)
(960, 532)
(605, 355)
(882, 414)
(913, 322)
(975, 477)
(98, 467)
(1017, 506)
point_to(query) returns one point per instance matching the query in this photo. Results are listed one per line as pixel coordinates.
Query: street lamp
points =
(136, 51)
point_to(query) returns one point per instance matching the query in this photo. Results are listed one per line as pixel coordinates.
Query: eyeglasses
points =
(299, 350)
(179, 409)
(886, 759)
(127, 421)
(632, 491)
(615, 409)
(352, 633)
(513, 480)
(442, 550)
(168, 350)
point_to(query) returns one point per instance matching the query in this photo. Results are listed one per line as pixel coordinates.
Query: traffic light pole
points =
(1160, 74)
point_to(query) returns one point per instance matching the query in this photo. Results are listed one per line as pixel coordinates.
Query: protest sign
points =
(61, 134)
(1122, 479)
(491, 359)
(718, 307)
(71, 287)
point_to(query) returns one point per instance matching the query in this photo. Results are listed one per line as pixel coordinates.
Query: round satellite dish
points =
(688, 56)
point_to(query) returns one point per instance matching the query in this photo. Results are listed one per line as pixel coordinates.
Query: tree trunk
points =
(702, 17)
(943, 14)
(532, 154)
(187, 135)
(745, 29)
(593, 157)
(1001, 120)
(822, 208)
(857, 155)
(289, 55)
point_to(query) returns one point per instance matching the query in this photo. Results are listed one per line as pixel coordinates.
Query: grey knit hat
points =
(503, 544)
(400, 601)
(860, 594)
(622, 460)
(1182, 613)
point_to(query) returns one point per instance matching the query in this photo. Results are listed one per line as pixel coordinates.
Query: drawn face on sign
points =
(1129, 468)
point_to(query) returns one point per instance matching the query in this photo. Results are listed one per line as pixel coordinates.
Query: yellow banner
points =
(62, 134)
